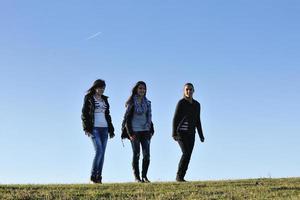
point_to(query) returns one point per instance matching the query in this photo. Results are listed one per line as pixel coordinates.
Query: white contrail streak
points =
(93, 36)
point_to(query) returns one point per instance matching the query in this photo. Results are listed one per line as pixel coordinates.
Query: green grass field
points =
(286, 188)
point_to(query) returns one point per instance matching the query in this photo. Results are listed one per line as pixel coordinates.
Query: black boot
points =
(136, 171)
(180, 179)
(93, 179)
(137, 177)
(180, 176)
(99, 179)
(96, 178)
(145, 170)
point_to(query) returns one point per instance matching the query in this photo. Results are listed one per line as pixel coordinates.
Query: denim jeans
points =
(142, 139)
(99, 138)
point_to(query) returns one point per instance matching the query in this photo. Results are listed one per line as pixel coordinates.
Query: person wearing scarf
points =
(137, 126)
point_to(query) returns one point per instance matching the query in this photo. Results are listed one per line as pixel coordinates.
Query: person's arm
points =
(111, 129)
(152, 129)
(149, 119)
(86, 123)
(127, 120)
(176, 120)
(198, 124)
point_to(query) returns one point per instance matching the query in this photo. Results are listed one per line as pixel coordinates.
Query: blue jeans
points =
(142, 139)
(99, 139)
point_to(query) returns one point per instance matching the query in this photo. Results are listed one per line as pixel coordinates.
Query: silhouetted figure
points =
(186, 120)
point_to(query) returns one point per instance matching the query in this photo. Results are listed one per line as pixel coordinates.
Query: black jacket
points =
(87, 115)
(126, 124)
(189, 112)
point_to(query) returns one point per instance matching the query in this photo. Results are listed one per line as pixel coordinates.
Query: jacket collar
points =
(103, 96)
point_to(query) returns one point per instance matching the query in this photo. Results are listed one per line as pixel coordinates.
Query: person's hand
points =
(111, 135)
(176, 138)
(88, 134)
(132, 137)
(148, 126)
(202, 139)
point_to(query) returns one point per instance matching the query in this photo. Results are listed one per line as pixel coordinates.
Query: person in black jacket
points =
(186, 120)
(137, 126)
(97, 124)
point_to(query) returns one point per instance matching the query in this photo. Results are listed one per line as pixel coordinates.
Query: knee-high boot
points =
(145, 167)
(145, 170)
(136, 171)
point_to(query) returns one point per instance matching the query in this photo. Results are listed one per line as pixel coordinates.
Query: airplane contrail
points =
(93, 36)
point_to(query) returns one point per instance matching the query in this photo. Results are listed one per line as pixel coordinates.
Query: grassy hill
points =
(286, 188)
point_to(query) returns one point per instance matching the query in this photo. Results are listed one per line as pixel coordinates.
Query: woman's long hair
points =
(134, 92)
(97, 83)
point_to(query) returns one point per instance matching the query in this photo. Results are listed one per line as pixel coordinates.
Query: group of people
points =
(137, 126)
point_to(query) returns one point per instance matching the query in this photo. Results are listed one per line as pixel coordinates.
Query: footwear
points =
(145, 180)
(180, 175)
(136, 172)
(145, 170)
(93, 179)
(180, 179)
(138, 180)
(93, 182)
(96, 179)
(99, 179)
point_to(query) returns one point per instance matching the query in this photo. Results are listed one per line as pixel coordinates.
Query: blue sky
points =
(242, 57)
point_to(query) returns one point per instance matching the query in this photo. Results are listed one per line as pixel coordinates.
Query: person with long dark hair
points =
(137, 126)
(186, 120)
(97, 124)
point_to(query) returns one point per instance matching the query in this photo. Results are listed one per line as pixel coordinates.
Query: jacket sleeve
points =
(111, 128)
(86, 123)
(126, 124)
(151, 126)
(152, 129)
(198, 123)
(176, 118)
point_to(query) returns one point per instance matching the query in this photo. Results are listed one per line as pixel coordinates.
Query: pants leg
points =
(104, 138)
(99, 139)
(186, 144)
(135, 144)
(145, 142)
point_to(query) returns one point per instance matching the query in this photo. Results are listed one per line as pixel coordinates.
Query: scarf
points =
(143, 107)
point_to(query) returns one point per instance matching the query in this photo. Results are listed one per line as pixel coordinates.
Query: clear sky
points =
(242, 57)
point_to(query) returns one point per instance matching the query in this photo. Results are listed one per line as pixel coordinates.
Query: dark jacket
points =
(190, 112)
(87, 115)
(127, 123)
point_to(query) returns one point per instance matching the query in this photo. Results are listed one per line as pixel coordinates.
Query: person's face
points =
(141, 90)
(99, 90)
(188, 91)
